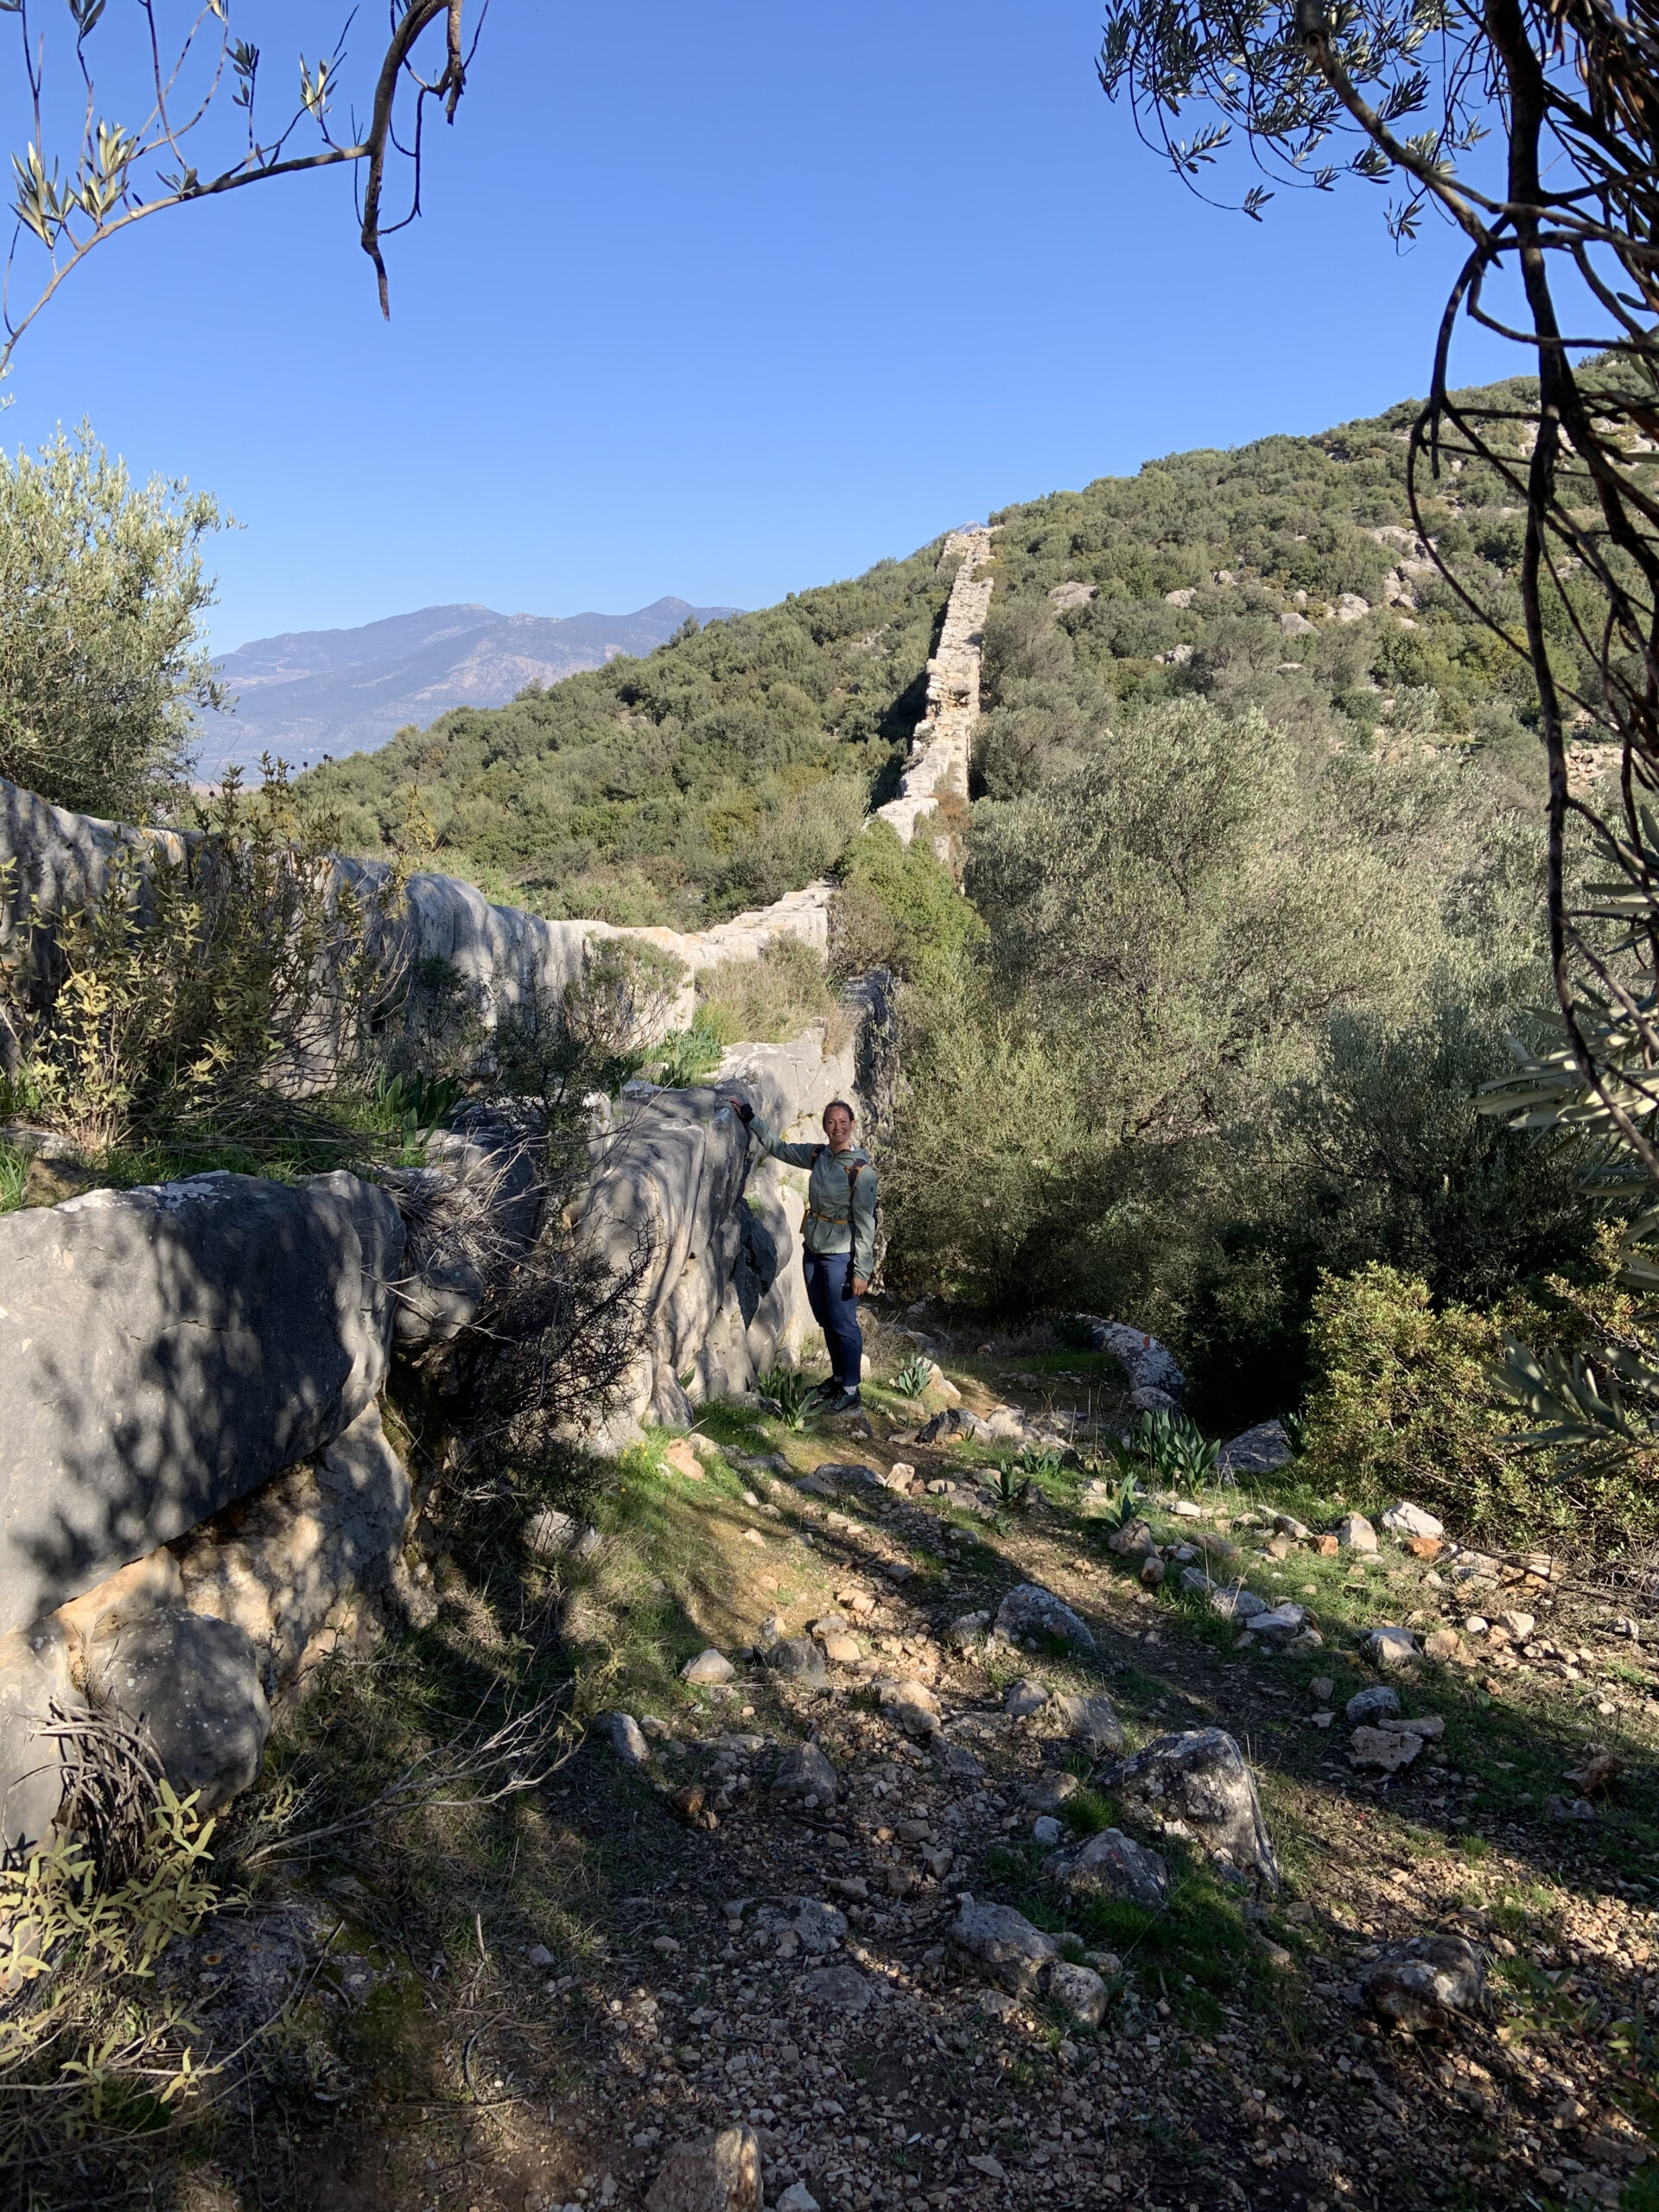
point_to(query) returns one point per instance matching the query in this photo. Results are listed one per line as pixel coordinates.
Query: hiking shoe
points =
(820, 1396)
(842, 1401)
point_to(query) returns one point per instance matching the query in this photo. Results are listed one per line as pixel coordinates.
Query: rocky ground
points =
(696, 1924)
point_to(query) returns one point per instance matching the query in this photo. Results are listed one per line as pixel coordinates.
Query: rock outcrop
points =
(675, 1176)
(502, 959)
(943, 739)
(166, 1350)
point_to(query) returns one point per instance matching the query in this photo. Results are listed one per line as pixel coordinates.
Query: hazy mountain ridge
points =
(308, 693)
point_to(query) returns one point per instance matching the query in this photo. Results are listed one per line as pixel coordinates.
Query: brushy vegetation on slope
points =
(735, 763)
(730, 767)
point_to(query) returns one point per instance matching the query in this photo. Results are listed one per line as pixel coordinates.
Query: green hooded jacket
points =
(838, 1219)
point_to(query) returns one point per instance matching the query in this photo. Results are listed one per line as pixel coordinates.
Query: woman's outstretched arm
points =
(792, 1156)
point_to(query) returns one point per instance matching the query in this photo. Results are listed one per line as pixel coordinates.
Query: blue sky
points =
(722, 301)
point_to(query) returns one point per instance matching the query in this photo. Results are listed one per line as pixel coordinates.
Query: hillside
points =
(731, 765)
(309, 693)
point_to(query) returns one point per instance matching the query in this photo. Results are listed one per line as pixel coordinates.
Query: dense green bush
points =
(1378, 1156)
(1405, 1405)
(898, 908)
(101, 653)
(222, 1004)
(1177, 914)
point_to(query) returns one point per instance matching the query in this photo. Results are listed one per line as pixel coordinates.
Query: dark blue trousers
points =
(829, 1293)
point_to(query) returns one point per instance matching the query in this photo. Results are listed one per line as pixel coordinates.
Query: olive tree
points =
(161, 104)
(101, 593)
(1533, 128)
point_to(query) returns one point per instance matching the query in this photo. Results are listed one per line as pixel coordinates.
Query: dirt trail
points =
(696, 1975)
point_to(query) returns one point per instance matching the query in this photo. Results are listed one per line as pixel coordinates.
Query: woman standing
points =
(838, 1235)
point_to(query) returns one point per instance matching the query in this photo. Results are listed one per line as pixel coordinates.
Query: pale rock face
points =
(1355, 1534)
(1403, 1520)
(715, 2173)
(1196, 1785)
(232, 1326)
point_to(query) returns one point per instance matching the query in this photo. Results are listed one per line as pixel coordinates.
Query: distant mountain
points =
(312, 692)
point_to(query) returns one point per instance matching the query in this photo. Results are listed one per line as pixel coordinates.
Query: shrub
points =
(766, 1000)
(800, 840)
(101, 596)
(623, 997)
(898, 908)
(687, 1055)
(1406, 1404)
(202, 1003)
(1379, 1156)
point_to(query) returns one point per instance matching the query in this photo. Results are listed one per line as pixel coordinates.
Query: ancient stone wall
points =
(941, 746)
(198, 1499)
(505, 959)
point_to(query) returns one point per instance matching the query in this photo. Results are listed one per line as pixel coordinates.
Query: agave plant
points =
(913, 1377)
(786, 1391)
(1166, 1448)
(1011, 1485)
(1175, 1450)
(1037, 1459)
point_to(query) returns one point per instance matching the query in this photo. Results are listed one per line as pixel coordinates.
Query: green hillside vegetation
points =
(1253, 878)
(731, 765)
(736, 763)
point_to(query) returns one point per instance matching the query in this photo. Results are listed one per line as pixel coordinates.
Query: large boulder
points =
(167, 1350)
(1010, 1950)
(1259, 1450)
(1030, 1610)
(1148, 1365)
(1195, 1785)
(1112, 1864)
(1426, 1983)
(281, 1564)
(194, 1682)
(715, 2173)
